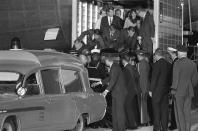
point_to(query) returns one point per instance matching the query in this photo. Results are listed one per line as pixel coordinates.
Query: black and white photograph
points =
(98, 65)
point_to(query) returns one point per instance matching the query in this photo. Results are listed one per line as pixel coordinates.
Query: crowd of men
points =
(111, 31)
(120, 61)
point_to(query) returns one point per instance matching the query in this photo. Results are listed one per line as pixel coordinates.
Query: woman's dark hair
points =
(131, 11)
(130, 16)
(15, 43)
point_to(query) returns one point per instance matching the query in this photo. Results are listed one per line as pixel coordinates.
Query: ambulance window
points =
(32, 85)
(51, 81)
(71, 81)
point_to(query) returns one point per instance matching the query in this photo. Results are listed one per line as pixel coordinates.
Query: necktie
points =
(110, 20)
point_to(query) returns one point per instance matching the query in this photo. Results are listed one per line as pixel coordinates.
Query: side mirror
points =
(21, 91)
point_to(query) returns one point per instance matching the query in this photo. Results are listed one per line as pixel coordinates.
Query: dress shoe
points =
(156, 130)
(172, 127)
(132, 128)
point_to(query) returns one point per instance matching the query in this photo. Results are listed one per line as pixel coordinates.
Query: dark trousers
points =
(182, 112)
(173, 120)
(118, 114)
(147, 45)
(131, 110)
(150, 110)
(143, 108)
(160, 112)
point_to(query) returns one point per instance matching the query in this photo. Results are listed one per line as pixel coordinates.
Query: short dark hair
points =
(125, 57)
(130, 28)
(133, 10)
(117, 10)
(110, 8)
(140, 8)
(160, 52)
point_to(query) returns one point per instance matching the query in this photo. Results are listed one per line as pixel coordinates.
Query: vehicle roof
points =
(24, 61)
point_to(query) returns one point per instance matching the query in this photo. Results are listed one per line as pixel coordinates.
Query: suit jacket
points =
(91, 43)
(112, 40)
(185, 77)
(104, 26)
(126, 41)
(144, 71)
(132, 81)
(137, 78)
(161, 78)
(147, 30)
(116, 81)
(173, 62)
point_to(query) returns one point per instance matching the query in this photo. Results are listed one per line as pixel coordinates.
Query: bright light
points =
(9, 76)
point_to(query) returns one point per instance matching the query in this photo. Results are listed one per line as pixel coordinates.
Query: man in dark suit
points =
(111, 39)
(185, 77)
(110, 19)
(128, 39)
(144, 83)
(147, 30)
(132, 83)
(117, 86)
(118, 13)
(173, 53)
(160, 86)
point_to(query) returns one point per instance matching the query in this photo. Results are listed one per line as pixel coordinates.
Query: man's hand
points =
(150, 93)
(105, 93)
(173, 92)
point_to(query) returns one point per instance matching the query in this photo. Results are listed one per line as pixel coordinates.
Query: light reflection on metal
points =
(84, 20)
(90, 16)
(189, 11)
(74, 20)
(161, 12)
(182, 5)
(79, 30)
(95, 15)
(84, 16)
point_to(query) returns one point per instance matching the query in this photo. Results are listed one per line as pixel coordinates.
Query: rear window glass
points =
(9, 81)
(9, 77)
